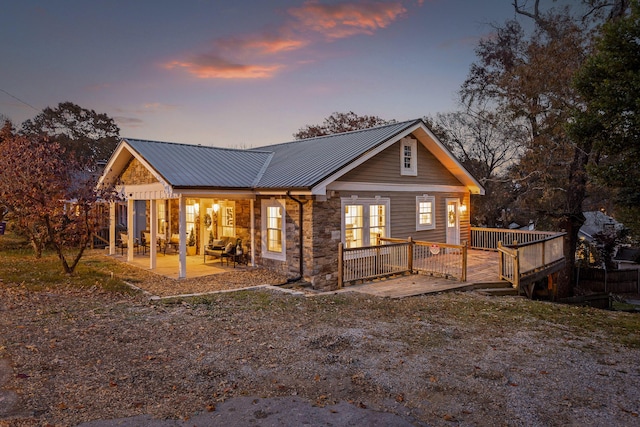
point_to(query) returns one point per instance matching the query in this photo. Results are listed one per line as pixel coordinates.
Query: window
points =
(273, 229)
(191, 214)
(377, 223)
(425, 219)
(363, 220)
(408, 157)
(162, 218)
(227, 210)
(354, 223)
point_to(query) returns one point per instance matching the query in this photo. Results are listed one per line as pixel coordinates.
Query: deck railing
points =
(488, 238)
(527, 262)
(396, 256)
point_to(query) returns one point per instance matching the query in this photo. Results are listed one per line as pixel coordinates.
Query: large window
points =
(191, 215)
(354, 223)
(377, 223)
(425, 217)
(274, 229)
(363, 220)
(408, 157)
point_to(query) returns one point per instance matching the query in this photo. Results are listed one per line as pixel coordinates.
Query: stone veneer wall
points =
(321, 235)
(136, 173)
(243, 223)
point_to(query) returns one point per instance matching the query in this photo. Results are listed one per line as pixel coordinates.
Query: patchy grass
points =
(20, 266)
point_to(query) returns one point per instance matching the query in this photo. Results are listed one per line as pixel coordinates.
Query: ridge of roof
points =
(340, 134)
(184, 144)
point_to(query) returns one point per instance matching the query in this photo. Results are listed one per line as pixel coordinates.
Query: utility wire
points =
(20, 100)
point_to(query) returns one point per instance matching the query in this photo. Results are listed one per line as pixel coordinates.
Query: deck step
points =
(497, 288)
(494, 292)
(492, 285)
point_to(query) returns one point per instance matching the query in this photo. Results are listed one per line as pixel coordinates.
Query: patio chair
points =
(217, 248)
(234, 252)
(160, 242)
(124, 242)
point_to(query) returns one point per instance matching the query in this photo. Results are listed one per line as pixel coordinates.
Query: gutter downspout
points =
(300, 219)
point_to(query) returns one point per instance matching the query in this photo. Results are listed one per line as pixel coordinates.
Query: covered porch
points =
(170, 234)
(168, 266)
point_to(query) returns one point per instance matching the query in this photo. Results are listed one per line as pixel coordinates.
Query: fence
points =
(615, 281)
(396, 256)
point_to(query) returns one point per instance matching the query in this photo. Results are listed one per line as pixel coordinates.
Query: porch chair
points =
(217, 248)
(124, 242)
(234, 252)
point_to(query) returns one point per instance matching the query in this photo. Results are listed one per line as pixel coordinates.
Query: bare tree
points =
(487, 145)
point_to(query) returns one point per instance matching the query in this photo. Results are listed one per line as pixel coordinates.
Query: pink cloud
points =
(342, 20)
(262, 45)
(241, 57)
(213, 67)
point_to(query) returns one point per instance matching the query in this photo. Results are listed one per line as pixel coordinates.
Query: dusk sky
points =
(238, 73)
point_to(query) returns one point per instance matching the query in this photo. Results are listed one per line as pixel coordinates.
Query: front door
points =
(453, 222)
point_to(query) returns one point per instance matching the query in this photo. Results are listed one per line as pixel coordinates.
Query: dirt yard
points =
(73, 356)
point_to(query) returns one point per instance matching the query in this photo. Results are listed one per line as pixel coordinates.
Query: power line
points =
(20, 100)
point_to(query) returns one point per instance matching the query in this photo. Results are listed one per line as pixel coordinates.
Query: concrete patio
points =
(167, 265)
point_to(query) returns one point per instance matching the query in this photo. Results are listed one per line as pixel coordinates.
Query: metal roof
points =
(304, 163)
(183, 165)
(297, 165)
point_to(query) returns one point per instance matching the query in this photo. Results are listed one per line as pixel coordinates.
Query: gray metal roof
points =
(183, 165)
(304, 163)
(299, 165)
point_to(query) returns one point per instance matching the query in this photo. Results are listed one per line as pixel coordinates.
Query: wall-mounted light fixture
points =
(463, 208)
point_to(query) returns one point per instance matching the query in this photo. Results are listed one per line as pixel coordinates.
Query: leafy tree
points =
(528, 77)
(51, 200)
(340, 122)
(87, 136)
(609, 119)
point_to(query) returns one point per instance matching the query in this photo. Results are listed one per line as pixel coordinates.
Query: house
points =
(293, 203)
(596, 226)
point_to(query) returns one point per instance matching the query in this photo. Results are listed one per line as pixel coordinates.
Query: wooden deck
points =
(482, 267)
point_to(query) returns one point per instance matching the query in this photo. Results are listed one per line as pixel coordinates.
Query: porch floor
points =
(167, 265)
(482, 267)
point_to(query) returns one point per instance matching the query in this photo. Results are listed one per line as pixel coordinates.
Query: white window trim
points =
(428, 199)
(413, 145)
(366, 203)
(280, 256)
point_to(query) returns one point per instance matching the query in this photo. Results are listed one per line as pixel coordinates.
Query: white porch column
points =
(153, 229)
(252, 217)
(130, 215)
(201, 212)
(182, 247)
(112, 228)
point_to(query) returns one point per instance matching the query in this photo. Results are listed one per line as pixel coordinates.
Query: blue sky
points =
(238, 73)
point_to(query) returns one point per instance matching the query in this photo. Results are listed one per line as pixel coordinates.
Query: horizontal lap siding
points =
(385, 168)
